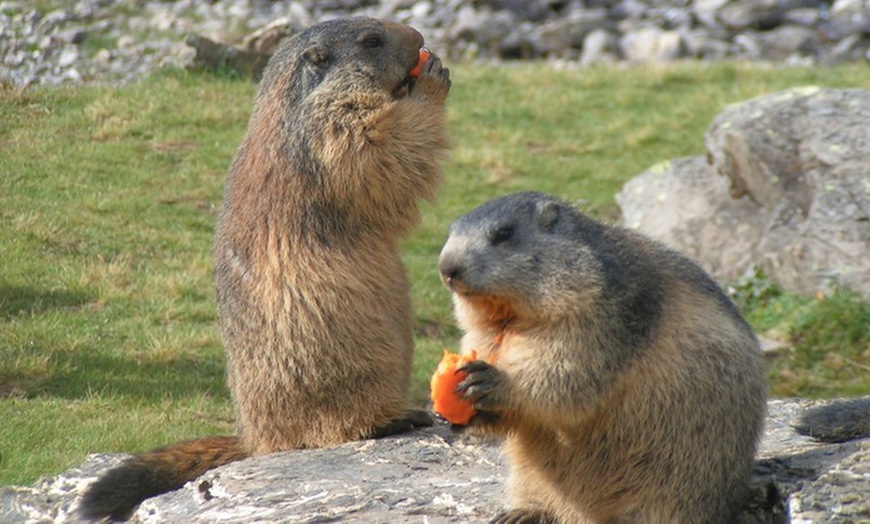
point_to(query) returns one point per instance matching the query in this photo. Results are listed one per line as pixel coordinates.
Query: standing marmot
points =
(628, 385)
(313, 300)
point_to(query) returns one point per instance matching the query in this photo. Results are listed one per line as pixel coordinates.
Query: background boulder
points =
(785, 188)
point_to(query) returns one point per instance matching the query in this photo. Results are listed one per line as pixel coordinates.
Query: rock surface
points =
(437, 476)
(785, 188)
(56, 41)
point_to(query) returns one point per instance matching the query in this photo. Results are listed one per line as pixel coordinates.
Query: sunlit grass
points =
(108, 198)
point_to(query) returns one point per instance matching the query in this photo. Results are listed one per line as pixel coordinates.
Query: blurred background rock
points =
(53, 42)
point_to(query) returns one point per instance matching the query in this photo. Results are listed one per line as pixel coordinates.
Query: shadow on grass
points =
(85, 373)
(38, 371)
(17, 300)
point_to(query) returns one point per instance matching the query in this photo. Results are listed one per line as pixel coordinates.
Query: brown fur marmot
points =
(313, 300)
(627, 384)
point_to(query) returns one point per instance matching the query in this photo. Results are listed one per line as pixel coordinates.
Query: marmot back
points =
(838, 421)
(627, 384)
(313, 300)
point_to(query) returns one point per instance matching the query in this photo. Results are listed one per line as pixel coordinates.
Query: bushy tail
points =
(117, 493)
(837, 422)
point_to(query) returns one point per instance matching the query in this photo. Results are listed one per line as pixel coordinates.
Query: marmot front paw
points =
(485, 386)
(434, 79)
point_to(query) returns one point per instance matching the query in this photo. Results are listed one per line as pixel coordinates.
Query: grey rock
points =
(807, 16)
(54, 18)
(126, 42)
(15, 59)
(68, 56)
(71, 36)
(11, 7)
(703, 44)
(531, 10)
(669, 17)
(518, 44)
(570, 32)
(484, 27)
(631, 9)
(600, 47)
(72, 74)
(785, 188)
(839, 26)
(848, 49)
(652, 44)
(46, 43)
(437, 476)
(751, 14)
(707, 11)
(789, 40)
(849, 7)
(103, 56)
(685, 205)
(431, 475)
(748, 45)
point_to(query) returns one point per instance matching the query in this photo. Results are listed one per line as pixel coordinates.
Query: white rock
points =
(68, 56)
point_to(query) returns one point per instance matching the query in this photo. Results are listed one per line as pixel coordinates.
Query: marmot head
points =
(523, 256)
(312, 120)
(345, 55)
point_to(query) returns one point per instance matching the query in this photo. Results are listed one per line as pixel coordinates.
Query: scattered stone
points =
(652, 44)
(148, 35)
(566, 33)
(600, 47)
(789, 40)
(68, 56)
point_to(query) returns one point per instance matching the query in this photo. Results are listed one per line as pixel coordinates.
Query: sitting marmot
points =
(627, 384)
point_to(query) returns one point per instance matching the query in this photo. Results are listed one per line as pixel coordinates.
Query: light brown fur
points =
(312, 294)
(313, 300)
(627, 386)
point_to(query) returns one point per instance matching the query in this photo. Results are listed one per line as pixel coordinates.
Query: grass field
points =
(108, 336)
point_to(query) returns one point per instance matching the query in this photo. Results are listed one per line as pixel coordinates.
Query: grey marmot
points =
(626, 383)
(313, 300)
(839, 421)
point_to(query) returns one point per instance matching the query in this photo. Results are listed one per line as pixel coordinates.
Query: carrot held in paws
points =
(445, 401)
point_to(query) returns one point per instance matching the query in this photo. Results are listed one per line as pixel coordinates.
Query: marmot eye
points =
(373, 41)
(502, 235)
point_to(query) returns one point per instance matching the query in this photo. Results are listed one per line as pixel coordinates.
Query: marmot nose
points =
(451, 271)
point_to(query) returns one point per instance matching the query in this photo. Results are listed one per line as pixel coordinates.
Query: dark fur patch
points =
(837, 422)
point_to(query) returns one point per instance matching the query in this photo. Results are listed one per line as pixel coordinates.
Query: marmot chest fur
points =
(627, 384)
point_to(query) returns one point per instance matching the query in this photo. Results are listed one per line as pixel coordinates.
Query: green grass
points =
(108, 336)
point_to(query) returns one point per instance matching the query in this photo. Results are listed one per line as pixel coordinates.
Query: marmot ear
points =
(548, 215)
(315, 55)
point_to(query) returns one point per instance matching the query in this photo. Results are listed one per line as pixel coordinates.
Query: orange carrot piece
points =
(445, 401)
(424, 55)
